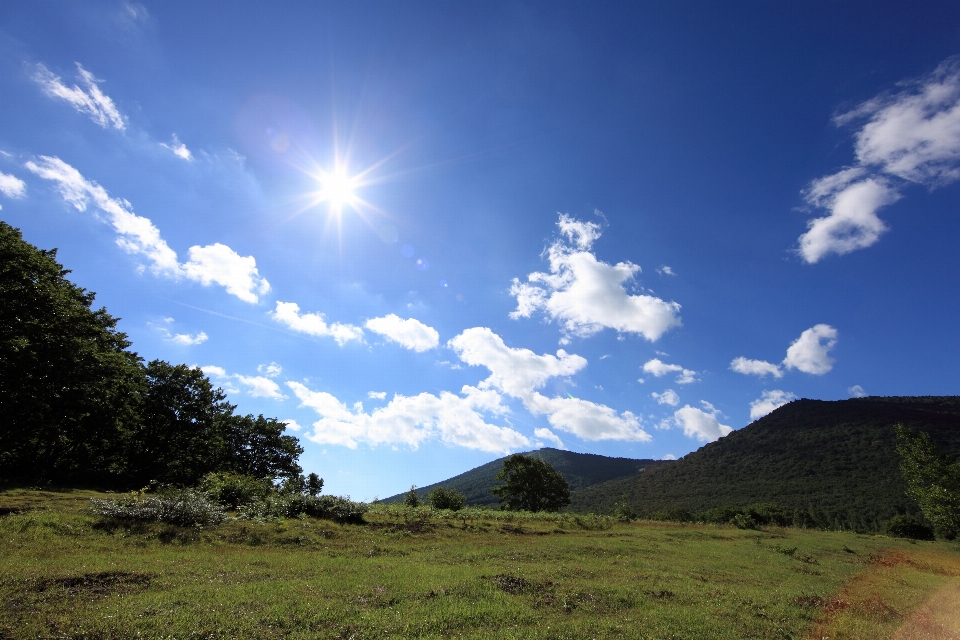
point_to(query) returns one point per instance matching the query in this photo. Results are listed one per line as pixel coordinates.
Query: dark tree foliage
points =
(452, 499)
(68, 385)
(79, 407)
(531, 485)
(933, 480)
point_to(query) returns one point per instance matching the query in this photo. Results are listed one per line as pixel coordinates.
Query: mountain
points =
(581, 470)
(834, 463)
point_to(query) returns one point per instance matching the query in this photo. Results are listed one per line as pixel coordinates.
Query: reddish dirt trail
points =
(937, 619)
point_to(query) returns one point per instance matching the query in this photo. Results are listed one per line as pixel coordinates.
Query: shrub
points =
(411, 499)
(185, 507)
(452, 499)
(234, 490)
(744, 521)
(908, 527)
(292, 506)
(624, 513)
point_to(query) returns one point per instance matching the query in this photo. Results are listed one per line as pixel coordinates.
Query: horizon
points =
(428, 237)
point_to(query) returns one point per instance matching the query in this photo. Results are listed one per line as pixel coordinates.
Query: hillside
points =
(833, 461)
(581, 470)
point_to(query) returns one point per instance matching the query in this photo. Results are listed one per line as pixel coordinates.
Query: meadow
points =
(476, 573)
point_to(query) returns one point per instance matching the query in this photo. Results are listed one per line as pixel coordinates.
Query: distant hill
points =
(581, 470)
(834, 461)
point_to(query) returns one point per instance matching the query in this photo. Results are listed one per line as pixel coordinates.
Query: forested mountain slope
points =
(834, 462)
(581, 470)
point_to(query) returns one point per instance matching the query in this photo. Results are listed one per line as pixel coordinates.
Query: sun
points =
(337, 188)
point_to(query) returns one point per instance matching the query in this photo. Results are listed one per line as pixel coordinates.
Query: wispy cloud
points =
(586, 295)
(658, 368)
(12, 186)
(256, 386)
(314, 324)
(410, 333)
(178, 149)
(909, 137)
(271, 370)
(768, 401)
(808, 353)
(216, 263)
(856, 391)
(89, 99)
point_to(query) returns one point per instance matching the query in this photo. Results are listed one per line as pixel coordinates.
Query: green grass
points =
(418, 574)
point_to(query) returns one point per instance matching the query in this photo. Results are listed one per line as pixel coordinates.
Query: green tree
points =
(411, 499)
(531, 485)
(933, 480)
(441, 498)
(68, 384)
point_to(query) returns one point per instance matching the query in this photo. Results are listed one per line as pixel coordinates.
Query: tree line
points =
(80, 407)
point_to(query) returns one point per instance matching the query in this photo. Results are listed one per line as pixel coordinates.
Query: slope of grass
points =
(836, 462)
(581, 470)
(417, 573)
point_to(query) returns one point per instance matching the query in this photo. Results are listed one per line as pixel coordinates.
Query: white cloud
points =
(220, 264)
(293, 425)
(409, 333)
(178, 149)
(768, 401)
(314, 324)
(377, 395)
(520, 372)
(187, 340)
(697, 423)
(137, 235)
(256, 386)
(455, 420)
(755, 367)
(658, 368)
(586, 295)
(549, 436)
(668, 456)
(913, 136)
(271, 370)
(808, 353)
(12, 186)
(857, 391)
(666, 271)
(669, 397)
(89, 100)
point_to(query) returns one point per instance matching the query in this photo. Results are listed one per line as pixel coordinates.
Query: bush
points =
(744, 521)
(185, 507)
(234, 490)
(624, 513)
(335, 508)
(452, 499)
(908, 527)
(411, 499)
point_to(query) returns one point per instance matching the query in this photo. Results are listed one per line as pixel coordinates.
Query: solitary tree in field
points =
(933, 480)
(531, 485)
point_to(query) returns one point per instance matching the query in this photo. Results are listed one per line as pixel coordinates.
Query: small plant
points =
(184, 507)
(411, 499)
(908, 527)
(744, 521)
(624, 512)
(452, 499)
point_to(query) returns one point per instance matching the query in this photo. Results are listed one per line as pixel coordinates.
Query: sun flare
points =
(338, 188)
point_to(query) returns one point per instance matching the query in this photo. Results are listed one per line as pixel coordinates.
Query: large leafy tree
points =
(933, 480)
(68, 384)
(530, 484)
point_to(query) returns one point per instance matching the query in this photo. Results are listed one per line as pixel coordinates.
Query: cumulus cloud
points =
(520, 372)
(409, 333)
(271, 370)
(586, 295)
(808, 353)
(701, 424)
(256, 386)
(12, 186)
(668, 456)
(856, 391)
(911, 136)
(137, 235)
(178, 149)
(755, 367)
(668, 397)
(549, 436)
(314, 324)
(89, 99)
(377, 395)
(453, 419)
(666, 271)
(293, 425)
(187, 339)
(768, 401)
(658, 368)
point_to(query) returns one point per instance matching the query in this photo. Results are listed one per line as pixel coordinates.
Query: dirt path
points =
(937, 619)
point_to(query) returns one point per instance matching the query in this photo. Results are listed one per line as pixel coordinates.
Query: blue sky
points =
(427, 235)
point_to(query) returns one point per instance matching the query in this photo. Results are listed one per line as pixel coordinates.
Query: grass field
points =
(413, 573)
